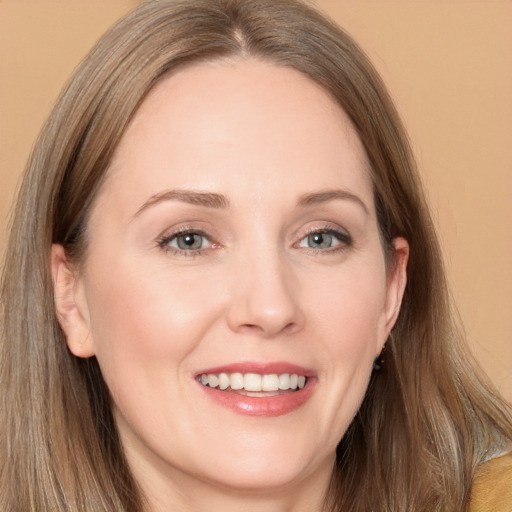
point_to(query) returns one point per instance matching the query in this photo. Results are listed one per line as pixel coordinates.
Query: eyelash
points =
(165, 240)
(344, 239)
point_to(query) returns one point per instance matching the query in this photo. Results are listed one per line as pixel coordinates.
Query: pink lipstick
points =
(258, 389)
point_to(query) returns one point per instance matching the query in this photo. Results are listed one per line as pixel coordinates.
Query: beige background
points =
(447, 65)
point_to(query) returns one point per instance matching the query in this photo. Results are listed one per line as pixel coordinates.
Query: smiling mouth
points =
(258, 389)
(254, 384)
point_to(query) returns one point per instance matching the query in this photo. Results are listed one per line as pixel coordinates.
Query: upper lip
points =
(262, 368)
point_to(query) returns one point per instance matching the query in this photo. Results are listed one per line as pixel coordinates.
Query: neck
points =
(210, 498)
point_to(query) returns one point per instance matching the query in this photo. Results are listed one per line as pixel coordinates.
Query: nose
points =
(265, 298)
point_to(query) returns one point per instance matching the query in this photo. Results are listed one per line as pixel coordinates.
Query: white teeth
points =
(253, 381)
(213, 380)
(270, 382)
(224, 381)
(236, 381)
(284, 381)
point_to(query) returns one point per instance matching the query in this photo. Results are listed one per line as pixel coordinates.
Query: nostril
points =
(268, 330)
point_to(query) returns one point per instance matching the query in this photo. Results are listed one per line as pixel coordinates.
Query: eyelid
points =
(164, 240)
(343, 236)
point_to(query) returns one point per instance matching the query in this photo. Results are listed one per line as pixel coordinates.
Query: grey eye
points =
(189, 241)
(321, 240)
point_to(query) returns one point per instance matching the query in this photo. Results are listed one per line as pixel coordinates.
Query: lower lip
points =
(266, 406)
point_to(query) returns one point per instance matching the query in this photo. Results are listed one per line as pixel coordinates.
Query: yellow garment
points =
(492, 488)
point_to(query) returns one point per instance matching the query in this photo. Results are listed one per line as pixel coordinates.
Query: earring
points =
(378, 362)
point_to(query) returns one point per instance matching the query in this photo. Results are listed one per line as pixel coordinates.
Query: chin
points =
(263, 466)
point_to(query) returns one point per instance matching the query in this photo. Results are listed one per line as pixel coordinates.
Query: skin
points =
(262, 136)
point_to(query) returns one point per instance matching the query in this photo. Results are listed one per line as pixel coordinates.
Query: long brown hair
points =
(428, 419)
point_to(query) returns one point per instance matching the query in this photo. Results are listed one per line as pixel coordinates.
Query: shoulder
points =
(492, 488)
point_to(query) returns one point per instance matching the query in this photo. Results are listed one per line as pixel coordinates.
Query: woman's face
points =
(236, 237)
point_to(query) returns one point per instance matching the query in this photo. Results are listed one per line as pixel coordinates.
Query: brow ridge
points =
(323, 196)
(219, 201)
(206, 199)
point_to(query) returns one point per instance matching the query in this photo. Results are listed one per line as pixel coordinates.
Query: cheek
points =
(350, 311)
(349, 320)
(350, 328)
(142, 320)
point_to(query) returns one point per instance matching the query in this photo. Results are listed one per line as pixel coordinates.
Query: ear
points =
(71, 304)
(396, 282)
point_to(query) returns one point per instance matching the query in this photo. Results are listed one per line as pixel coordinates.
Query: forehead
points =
(247, 126)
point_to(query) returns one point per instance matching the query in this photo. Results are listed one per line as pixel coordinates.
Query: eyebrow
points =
(206, 199)
(324, 196)
(219, 201)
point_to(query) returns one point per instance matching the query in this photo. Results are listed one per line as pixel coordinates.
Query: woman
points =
(224, 290)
